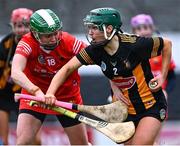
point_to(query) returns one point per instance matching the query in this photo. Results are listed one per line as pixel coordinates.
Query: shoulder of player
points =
(28, 41)
(93, 51)
(67, 41)
(70, 43)
(7, 40)
(28, 37)
(67, 37)
(136, 39)
(128, 38)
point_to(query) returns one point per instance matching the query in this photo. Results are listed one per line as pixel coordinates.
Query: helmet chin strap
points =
(48, 47)
(105, 33)
(107, 39)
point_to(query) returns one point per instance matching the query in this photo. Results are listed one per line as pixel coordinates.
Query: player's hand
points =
(50, 99)
(117, 95)
(156, 83)
(39, 93)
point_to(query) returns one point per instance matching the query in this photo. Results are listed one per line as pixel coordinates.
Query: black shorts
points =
(158, 111)
(64, 120)
(7, 102)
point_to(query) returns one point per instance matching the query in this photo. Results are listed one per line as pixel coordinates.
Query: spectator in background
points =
(20, 25)
(143, 25)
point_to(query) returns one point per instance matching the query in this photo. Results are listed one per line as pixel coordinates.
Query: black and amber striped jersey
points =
(7, 50)
(128, 68)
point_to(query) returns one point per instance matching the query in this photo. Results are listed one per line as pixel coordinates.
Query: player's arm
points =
(166, 57)
(18, 76)
(82, 58)
(152, 47)
(117, 93)
(74, 47)
(62, 75)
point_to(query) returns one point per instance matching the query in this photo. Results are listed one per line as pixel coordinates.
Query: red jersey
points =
(42, 65)
(156, 65)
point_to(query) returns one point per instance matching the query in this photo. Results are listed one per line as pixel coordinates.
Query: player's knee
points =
(24, 139)
(142, 141)
(89, 144)
(37, 140)
(78, 141)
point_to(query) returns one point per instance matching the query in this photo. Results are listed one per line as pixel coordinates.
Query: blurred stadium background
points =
(94, 86)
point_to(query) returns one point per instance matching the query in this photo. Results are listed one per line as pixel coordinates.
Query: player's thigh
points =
(37, 140)
(75, 130)
(77, 134)
(28, 124)
(4, 122)
(146, 131)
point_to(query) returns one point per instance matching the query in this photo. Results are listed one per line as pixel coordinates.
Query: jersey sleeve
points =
(23, 48)
(78, 46)
(149, 47)
(85, 56)
(73, 45)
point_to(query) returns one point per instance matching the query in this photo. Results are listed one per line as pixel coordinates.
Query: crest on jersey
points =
(113, 63)
(41, 59)
(103, 66)
(124, 83)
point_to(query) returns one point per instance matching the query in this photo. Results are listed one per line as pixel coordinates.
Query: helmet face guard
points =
(101, 18)
(46, 28)
(48, 41)
(88, 27)
(107, 38)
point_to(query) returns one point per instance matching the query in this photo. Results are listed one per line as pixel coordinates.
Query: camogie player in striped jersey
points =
(38, 57)
(125, 61)
(19, 23)
(143, 25)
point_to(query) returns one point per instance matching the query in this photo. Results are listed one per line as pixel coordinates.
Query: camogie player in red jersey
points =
(38, 57)
(143, 25)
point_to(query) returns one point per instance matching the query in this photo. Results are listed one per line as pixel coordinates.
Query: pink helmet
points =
(20, 15)
(141, 19)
